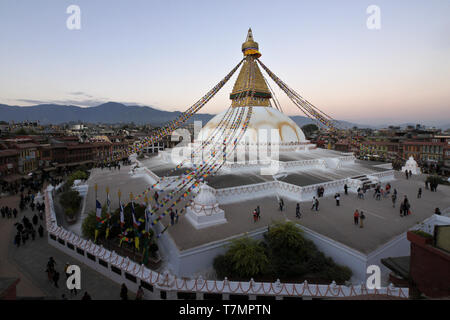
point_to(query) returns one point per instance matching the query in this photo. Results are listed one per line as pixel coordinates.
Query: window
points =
(103, 263)
(186, 295)
(130, 277)
(147, 286)
(116, 270)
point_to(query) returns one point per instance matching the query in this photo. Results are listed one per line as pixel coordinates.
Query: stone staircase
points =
(366, 182)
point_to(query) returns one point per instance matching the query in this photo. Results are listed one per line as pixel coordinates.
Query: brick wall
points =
(430, 270)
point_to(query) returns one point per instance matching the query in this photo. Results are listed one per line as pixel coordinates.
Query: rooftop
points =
(382, 224)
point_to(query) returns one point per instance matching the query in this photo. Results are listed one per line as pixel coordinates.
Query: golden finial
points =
(250, 47)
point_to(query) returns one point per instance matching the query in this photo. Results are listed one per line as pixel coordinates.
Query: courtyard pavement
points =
(382, 223)
(28, 262)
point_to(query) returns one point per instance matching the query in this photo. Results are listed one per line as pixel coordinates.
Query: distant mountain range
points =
(113, 112)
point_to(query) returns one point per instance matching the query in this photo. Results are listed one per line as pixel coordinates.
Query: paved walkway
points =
(28, 262)
(382, 223)
(8, 268)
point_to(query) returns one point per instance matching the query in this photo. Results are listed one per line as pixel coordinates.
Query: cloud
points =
(83, 102)
(80, 93)
(80, 103)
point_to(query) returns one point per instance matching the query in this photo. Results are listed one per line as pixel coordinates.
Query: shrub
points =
(70, 212)
(89, 225)
(246, 258)
(285, 254)
(70, 201)
(423, 234)
(77, 175)
(222, 266)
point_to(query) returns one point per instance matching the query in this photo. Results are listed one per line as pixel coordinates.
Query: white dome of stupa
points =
(267, 126)
(205, 202)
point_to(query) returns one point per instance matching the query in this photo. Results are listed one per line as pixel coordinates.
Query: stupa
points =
(204, 210)
(411, 165)
(268, 127)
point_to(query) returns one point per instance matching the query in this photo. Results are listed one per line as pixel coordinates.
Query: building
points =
(427, 269)
(9, 165)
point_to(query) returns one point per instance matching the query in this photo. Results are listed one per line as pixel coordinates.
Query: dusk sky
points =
(168, 54)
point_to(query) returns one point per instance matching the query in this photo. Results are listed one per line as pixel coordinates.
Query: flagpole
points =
(146, 213)
(134, 229)
(107, 203)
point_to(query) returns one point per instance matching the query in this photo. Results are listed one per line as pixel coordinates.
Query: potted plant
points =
(419, 237)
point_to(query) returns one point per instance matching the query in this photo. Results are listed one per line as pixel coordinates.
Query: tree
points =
(288, 249)
(291, 255)
(245, 258)
(70, 201)
(89, 225)
(285, 254)
(308, 129)
(21, 132)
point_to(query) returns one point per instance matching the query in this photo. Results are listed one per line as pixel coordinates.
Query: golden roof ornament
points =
(250, 47)
(250, 88)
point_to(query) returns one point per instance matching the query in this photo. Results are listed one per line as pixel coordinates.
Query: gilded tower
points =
(250, 88)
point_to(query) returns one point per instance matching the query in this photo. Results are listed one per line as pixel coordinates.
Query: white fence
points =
(167, 286)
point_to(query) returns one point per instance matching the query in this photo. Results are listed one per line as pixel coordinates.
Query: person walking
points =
(86, 296)
(35, 219)
(346, 189)
(394, 198)
(317, 204)
(41, 231)
(255, 216)
(406, 206)
(172, 217)
(66, 267)
(140, 293)
(124, 292)
(313, 203)
(337, 196)
(258, 212)
(406, 173)
(356, 217)
(49, 273)
(297, 211)
(281, 204)
(419, 193)
(56, 278)
(361, 218)
(17, 239)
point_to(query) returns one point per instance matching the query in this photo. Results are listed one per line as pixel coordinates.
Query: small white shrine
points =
(204, 210)
(411, 165)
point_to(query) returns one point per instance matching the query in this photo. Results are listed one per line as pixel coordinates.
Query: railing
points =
(168, 286)
(300, 193)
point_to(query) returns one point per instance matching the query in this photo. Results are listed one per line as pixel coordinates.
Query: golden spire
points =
(250, 88)
(250, 47)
